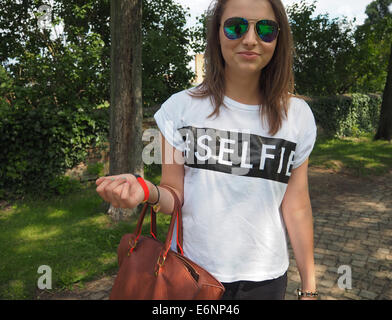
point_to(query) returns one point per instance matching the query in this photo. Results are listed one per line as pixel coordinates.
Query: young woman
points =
(235, 150)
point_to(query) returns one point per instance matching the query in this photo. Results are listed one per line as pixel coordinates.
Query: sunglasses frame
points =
(248, 23)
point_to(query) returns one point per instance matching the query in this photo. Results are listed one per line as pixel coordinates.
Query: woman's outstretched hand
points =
(122, 191)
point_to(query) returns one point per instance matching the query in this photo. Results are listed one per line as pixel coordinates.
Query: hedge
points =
(39, 145)
(347, 115)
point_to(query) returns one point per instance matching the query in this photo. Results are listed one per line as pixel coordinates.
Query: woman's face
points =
(232, 50)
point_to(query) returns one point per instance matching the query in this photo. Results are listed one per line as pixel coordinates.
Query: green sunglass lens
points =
(235, 28)
(267, 30)
(263, 29)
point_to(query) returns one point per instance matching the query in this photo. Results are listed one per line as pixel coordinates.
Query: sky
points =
(335, 8)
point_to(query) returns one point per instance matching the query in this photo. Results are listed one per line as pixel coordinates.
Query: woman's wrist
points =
(308, 288)
(309, 285)
(153, 192)
(308, 276)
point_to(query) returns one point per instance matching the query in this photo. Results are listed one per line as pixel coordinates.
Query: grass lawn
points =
(73, 236)
(360, 156)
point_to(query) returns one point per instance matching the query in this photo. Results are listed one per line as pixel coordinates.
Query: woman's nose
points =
(250, 38)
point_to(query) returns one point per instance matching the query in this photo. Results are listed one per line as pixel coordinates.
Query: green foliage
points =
(152, 172)
(347, 115)
(166, 41)
(49, 95)
(54, 89)
(6, 84)
(63, 185)
(95, 169)
(334, 57)
(378, 10)
(325, 50)
(40, 144)
(373, 40)
(199, 34)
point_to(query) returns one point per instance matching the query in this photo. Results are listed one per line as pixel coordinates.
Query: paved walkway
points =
(352, 228)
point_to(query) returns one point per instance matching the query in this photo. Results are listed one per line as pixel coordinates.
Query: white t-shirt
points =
(236, 175)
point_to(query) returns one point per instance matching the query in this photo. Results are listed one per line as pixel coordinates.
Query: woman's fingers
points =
(117, 191)
(99, 181)
(125, 199)
(101, 189)
(122, 191)
(105, 189)
(113, 191)
(127, 195)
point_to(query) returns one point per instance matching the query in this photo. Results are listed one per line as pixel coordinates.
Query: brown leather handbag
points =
(150, 270)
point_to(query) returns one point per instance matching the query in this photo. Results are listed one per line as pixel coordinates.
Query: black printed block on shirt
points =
(238, 153)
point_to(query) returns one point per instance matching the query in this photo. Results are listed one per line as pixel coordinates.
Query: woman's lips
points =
(249, 55)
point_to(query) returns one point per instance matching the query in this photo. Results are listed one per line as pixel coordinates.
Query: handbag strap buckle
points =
(160, 262)
(132, 245)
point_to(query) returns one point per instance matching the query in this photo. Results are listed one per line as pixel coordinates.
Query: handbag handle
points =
(176, 216)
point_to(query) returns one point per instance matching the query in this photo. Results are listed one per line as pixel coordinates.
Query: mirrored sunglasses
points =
(234, 28)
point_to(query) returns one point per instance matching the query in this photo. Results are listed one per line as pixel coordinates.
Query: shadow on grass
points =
(358, 156)
(70, 234)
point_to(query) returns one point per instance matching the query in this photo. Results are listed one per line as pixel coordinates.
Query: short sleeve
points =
(169, 119)
(307, 134)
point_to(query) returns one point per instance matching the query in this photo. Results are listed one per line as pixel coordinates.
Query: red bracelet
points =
(144, 186)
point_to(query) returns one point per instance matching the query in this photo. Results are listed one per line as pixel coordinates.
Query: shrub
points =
(347, 115)
(39, 145)
(63, 185)
(95, 169)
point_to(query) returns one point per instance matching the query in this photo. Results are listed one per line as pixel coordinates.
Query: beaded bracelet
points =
(158, 196)
(301, 293)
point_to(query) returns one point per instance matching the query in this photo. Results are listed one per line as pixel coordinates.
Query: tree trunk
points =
(384, 131)
(126, 115)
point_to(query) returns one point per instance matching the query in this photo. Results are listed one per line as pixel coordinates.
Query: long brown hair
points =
(276, 79)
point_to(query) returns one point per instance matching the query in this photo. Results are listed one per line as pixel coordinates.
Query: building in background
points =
(199, 69)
